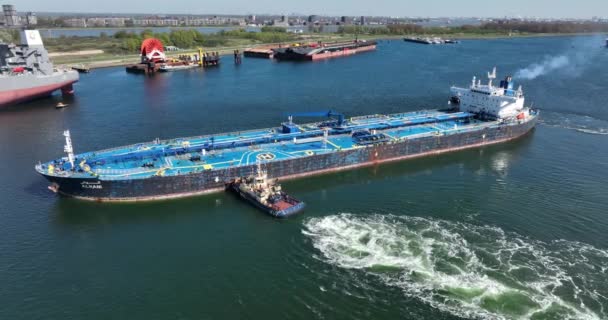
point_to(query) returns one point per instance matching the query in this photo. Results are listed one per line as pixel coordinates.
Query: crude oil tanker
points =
(26, 72)
(482, 114)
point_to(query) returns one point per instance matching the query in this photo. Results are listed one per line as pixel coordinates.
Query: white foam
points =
(464, 269)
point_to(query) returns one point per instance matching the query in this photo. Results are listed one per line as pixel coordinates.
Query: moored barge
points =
(482, 115)
(321, 51)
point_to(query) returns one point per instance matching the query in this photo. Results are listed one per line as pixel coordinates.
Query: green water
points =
(513, 231)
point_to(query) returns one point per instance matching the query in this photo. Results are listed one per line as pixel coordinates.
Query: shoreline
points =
(117, 60)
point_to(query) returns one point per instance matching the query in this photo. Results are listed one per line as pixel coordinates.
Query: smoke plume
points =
(549, 65)
(571, 63)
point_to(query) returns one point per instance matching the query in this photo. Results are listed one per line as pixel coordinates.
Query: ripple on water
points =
(468, 270)
(581, 123)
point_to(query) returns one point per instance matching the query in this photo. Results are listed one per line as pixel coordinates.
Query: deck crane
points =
(328, 114)
(290, 127)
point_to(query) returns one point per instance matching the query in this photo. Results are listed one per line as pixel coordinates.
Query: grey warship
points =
(27, 73)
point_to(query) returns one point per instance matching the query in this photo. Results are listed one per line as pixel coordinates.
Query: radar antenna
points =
(68, 147)
(491, 76)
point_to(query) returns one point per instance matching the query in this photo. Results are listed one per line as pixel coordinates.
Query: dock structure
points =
(237, 56)
(81, 68)
(267, 51)
(210, 59)
(143, 68)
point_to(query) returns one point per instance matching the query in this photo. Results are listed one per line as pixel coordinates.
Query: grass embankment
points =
(125, 50)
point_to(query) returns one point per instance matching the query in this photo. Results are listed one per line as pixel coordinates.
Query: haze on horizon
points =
(394, 8)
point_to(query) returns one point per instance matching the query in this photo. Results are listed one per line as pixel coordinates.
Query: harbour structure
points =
(320, 51)
(26, 72)
(266, 194)
(153, 59)
(152, 55)
(481, 114)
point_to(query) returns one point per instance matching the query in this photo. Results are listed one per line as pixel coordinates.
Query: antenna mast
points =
(491, 76)
(68, 147)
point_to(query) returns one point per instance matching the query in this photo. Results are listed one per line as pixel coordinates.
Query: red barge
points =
(323, 50)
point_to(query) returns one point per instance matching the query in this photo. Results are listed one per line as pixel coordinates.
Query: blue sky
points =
(425, 8)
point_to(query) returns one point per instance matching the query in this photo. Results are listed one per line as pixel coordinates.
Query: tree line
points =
(546, 27)
(500, 27)
(191, 38)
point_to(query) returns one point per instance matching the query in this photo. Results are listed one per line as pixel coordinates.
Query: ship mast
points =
(68, 147)
(491, 76)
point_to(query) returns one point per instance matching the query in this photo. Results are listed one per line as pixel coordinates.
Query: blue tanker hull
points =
(212, 179)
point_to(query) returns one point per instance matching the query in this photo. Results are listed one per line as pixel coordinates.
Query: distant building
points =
(363, 21)
(96, 22)
(313, 18)
(11, 19)
(281, 22)
(115, 22)
(156, 22)
(251, 19)
(31, 19)
(76, 23)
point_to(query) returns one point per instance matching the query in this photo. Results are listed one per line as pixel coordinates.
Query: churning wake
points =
(467, 270)
(571, 63)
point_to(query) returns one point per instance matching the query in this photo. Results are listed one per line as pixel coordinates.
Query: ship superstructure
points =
(502, 102)
(26, 71)
(196, 165)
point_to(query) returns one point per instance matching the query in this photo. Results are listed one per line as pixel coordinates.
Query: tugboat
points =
(61, 105)
(266, 194)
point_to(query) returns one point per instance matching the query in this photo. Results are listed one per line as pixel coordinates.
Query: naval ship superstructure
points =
(481, 114)
(26, 71)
